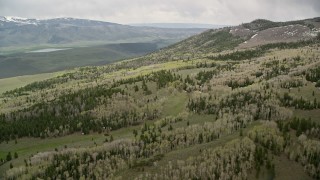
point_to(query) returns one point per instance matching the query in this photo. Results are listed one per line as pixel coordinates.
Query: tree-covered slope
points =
(231, 114)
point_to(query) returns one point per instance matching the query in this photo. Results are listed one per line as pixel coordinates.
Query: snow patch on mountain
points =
(254, 36)
(18, 20)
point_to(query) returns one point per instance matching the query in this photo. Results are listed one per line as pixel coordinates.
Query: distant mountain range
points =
(16, 31)
(179, 25)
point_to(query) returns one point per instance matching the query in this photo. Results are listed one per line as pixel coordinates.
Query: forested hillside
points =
(204, 108)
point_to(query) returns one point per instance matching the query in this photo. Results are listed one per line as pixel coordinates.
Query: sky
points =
(221, 12)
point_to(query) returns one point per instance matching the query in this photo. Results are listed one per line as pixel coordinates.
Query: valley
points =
(47, 60)
(33, 46)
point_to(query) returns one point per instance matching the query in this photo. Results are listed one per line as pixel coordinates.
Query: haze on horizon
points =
(166, 11)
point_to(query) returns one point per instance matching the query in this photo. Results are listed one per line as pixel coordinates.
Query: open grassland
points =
(8, 84)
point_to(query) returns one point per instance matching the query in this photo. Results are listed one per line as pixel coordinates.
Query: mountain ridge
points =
(22, 20)
(179, 25)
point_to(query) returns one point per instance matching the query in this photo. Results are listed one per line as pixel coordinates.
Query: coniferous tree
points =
(15, 155)
(9, 156)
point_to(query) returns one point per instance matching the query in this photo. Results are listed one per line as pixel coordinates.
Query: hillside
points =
(204, 108)
(248, 35)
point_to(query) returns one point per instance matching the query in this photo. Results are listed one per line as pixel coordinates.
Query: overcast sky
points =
(225, 12)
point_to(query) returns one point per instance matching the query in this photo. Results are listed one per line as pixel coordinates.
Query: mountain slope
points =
(256, 33)
(266, 32)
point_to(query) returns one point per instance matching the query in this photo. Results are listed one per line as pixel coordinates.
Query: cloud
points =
(139, 11)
